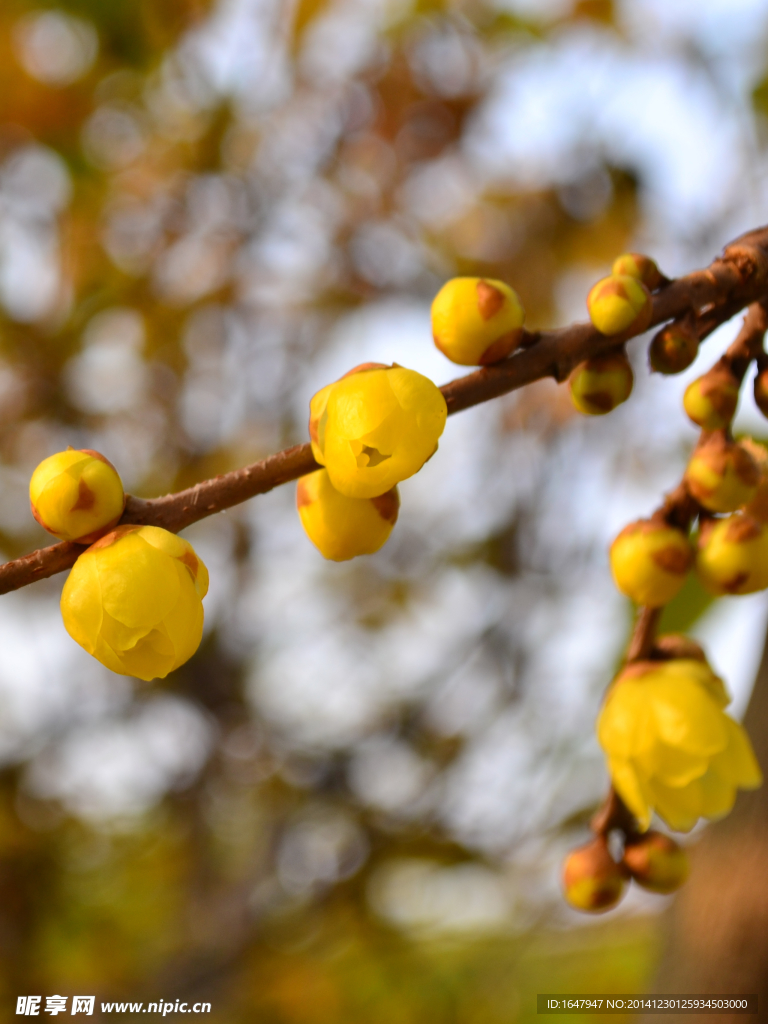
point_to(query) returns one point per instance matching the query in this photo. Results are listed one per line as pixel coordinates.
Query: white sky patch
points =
(117, 769)
(428, 898)
(560, 102)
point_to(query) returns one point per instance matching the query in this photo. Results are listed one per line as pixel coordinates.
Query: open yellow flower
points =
(134, 601)
(670, 746)
(340, 527)
(76, 495)
(377, 427)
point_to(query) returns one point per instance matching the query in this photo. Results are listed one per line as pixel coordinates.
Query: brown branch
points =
(737, 278)
(643, 634)
(748, 343)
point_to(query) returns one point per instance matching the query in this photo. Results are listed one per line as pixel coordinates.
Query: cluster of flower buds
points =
(374, 427)
(651, 558)
(594, 882)
(476, 321)
(622, 301)
(618, 303)
(731, 477)
(134, 597)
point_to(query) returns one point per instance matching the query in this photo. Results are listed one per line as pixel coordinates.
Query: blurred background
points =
(352, 803)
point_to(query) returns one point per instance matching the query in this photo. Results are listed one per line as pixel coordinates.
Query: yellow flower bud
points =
(381, 427)
(656, 862)
(722, 475)
(673, 349)
(342, 527)
(476, 321)
(318, 410)
(134, 601)
(601, 383)
(592, 880)
(757, 507)
(761, 390)
(670, 746)
(617, 303)
(635, 264)
(649, 561)
(76, 495)
(710, 401)
(733, 555)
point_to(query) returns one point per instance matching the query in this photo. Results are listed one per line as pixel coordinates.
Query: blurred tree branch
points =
(713, 295)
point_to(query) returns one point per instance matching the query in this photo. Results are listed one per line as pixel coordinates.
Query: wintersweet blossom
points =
(340, 527)
(378, 427)
(670, 746)
(134, 601)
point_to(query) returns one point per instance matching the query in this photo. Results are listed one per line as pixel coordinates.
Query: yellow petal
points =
(108, 657)
(81, 602)
(358, 404)
(632, 790)
(139, 584)
(119, 636)
(718, 795)
(672, 766)
(624, 721)
(179, 549)
(151, 658)
(681, 807)
(184, 624)
(737, 763)
(687, 717)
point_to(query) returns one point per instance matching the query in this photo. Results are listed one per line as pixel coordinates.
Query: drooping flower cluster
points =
(670, 745)
(134, 597)
(617, 303)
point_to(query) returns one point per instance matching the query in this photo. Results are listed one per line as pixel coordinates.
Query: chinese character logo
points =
(29, 1005)
(83, 1004)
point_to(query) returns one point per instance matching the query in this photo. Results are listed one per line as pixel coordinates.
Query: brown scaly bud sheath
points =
(731, 282)
(613, 813)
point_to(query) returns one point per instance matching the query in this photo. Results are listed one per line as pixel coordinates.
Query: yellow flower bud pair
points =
(593, 881)
(615, 304)
(134, 598)
(376, 426)
(622, 301)
(650, 560)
